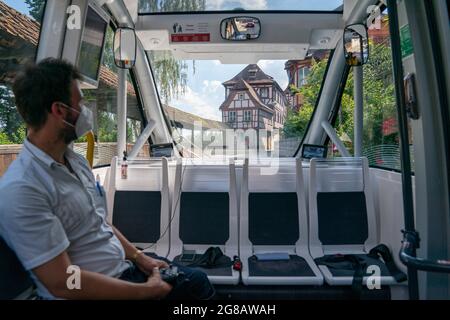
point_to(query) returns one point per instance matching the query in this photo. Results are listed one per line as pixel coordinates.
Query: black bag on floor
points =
(212, 258)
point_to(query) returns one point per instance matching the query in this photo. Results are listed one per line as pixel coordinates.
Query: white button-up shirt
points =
(45, 209)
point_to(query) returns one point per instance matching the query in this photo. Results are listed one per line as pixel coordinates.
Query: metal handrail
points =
(409, 244)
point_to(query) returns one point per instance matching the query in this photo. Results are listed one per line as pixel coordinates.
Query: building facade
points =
(254, 100)
(297, 71)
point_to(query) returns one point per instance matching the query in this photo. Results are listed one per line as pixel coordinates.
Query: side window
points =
(380, 127)
(103, 102)
(20, 28)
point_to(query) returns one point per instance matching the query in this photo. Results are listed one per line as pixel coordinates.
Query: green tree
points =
(379, 101)
(4, 138)
(108, 55)
(36, 8)
(11, 124)
(297, 122)
(107, 127)
(171, 5)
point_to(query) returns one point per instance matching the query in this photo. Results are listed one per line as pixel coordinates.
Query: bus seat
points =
(342, 220)
(139, 205)
(15, 282)
(274, 226)
(205, 215)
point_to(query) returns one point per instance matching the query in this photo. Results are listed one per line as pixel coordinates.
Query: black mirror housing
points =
(124, 47)
(356, 44)
(240, 28)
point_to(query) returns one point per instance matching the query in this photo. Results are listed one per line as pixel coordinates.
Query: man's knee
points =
(199, 285)
(197, 276)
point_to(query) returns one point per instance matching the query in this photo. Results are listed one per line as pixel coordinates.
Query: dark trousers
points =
(192, 284)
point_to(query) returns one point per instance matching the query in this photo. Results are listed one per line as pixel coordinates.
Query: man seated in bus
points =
(53, 217)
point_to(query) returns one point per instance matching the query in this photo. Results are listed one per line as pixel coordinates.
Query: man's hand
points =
(54, 276)
(159, 287)
(146, 264)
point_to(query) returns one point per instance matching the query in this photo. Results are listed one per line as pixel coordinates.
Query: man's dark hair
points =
(40, 85)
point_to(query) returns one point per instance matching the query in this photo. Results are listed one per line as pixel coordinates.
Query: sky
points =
(19, 5)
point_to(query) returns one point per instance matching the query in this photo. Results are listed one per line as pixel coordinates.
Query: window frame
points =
(266, 91)
(137, 90)
(247, 116)
(231, 119)
(319, 96)
(335, 112)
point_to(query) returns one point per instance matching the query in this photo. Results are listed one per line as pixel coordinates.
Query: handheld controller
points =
(170, 274)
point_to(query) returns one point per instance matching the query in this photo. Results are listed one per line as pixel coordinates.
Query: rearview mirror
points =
(240, 28)
(356, 44)
(124, 48)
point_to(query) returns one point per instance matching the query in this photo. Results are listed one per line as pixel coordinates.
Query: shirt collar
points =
(38, 153)
(44, 157)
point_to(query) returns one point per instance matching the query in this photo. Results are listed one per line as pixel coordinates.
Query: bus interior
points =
(291, 138)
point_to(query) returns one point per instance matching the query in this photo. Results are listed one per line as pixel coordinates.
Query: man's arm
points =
(145, 263)
(128, 247)
(95, 285)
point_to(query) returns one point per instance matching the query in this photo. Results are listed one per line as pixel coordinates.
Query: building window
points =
(232, 116)
(247, 116)
(302, 74)
(241, 96)
(264, 92)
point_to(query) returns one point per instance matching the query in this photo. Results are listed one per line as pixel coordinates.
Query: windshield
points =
(220, 109)
(155, 6)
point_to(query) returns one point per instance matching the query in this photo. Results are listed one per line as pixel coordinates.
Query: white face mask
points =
(85, 121)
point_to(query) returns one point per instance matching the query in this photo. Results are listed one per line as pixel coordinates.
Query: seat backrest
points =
(342, 215)
(205, 204)
(14, 280)
(273, 207)
(204, 218)
(137, 214)
(139, 205)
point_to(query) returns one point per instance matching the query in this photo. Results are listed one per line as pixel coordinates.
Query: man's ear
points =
(57, 110)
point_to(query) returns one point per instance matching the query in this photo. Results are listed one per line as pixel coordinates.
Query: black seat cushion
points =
(294, 267)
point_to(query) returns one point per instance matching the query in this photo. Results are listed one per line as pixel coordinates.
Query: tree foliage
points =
(12, 129)
(171, 5)
(379, 101)
(36, 8)
(297, 122)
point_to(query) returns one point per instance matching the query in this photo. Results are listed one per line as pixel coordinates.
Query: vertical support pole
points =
(359, 104)
(122, 113)
(407, 190)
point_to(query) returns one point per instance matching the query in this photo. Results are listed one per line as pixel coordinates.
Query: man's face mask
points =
(83, 124)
